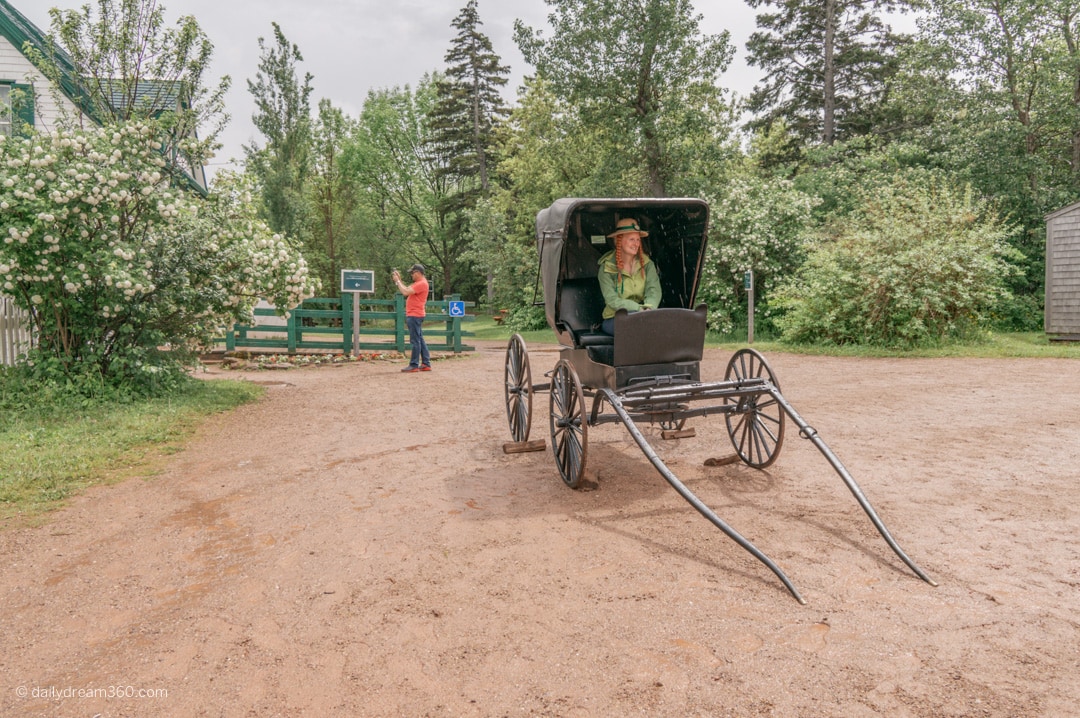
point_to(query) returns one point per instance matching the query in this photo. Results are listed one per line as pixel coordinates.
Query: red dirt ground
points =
(358, 544)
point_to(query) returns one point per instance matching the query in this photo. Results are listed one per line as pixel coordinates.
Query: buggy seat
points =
(580, 310)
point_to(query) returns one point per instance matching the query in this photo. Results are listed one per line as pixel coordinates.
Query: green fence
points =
(327, 325)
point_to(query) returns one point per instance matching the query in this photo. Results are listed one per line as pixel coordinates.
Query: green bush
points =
(913, 265)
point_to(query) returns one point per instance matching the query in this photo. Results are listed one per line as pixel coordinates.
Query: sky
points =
(353, 46)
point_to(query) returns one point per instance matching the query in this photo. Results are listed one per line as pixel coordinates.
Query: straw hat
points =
(627, 224)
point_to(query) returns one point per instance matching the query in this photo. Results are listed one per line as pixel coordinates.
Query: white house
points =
(28, 102)
(26, 97)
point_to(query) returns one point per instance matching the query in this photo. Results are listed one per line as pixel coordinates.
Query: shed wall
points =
(1062, 314)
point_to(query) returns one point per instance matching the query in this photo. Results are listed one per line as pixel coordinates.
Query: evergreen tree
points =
(827, 63)
(283, 116)
(469, 105)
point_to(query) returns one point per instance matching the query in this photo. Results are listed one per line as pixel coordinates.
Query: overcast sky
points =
(352, 46)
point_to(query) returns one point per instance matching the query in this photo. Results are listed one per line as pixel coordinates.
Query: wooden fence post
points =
(399, 322)
(292, 327)
(346, 324)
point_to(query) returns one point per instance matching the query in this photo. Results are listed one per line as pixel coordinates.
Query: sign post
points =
(748, 285)
(357, 281)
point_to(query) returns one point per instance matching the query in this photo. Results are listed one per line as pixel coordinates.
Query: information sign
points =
(358, 280)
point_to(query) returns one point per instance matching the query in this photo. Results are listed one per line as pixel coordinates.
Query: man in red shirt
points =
(415, 296)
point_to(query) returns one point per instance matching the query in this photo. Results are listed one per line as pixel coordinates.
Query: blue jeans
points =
(608, 325)
(416, 338)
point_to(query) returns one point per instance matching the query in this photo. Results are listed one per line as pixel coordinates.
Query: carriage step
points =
(722, 460)
(677, 433)
(521, 447)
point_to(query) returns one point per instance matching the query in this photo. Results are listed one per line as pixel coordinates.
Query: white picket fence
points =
(15, 335)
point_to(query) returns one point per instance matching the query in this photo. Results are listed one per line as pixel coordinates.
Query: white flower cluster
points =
(92, 223)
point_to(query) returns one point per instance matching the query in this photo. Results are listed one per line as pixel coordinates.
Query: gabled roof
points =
(1064, 210)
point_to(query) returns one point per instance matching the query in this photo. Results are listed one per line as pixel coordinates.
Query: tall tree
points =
(826, 66)
(131, 66)
(463, 121)
(403, 183)
(469, 104)
(331, 192)
(641, 68)
(283, 116)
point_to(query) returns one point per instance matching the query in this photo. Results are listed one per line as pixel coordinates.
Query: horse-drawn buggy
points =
(645, 368)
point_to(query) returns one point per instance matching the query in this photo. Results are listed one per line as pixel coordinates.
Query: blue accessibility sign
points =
(456, 309)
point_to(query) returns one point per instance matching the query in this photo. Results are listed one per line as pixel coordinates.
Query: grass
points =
(995, 345)
(50, 453)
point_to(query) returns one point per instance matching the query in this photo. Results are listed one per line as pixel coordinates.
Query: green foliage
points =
(915, 265)
(119, 270)
(331, 197)
(639, 72)
(760, 225)
(404, 194)
(130, 66)
(283, 116)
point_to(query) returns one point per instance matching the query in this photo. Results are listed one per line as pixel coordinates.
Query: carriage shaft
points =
(650, 454)
(808, 432)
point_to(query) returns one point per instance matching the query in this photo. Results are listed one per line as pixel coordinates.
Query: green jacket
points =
(623, 291)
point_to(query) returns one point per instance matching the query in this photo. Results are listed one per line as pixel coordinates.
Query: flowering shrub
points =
(757, 225)
(914, 265)
(114, 263)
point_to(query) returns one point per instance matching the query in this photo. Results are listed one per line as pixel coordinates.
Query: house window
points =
(5, 109)
(16, 108)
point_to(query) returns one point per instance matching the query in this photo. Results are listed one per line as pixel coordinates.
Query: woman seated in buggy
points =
(597, 281)
(627, 275)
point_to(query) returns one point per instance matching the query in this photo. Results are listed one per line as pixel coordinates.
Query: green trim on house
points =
(22, 108)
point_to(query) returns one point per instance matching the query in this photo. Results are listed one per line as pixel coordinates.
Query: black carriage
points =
(649, 371)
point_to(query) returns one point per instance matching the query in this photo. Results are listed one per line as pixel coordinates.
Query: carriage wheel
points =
(756, 425)
(519, 390)
(569, 429)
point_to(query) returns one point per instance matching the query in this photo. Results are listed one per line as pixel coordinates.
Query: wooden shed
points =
(1062, 315)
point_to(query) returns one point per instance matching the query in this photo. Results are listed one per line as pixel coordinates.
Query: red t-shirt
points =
(414, 303)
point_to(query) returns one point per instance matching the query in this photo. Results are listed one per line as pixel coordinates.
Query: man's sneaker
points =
(410, 370)
(426, 367)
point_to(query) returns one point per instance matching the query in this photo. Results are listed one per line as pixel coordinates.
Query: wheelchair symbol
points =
(457, 309)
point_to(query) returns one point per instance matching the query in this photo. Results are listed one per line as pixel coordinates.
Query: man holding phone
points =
(416, 295)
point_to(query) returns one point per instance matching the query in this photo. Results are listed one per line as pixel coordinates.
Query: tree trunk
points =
(828, 125)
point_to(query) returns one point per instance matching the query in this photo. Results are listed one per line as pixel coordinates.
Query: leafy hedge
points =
(913, 265)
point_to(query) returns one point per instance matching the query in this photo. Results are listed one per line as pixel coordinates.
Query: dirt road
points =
(357, 544)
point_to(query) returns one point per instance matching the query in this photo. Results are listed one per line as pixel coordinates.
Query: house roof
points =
(1064, 210)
